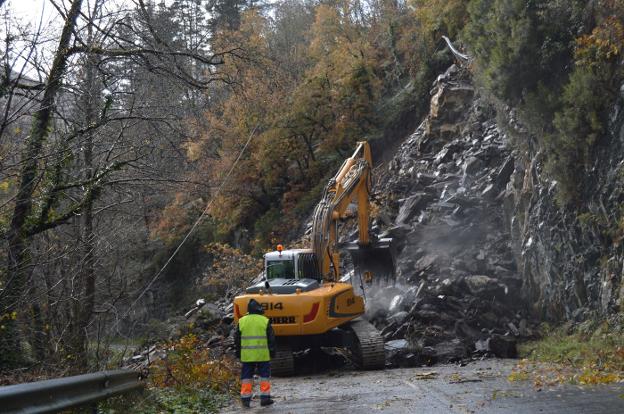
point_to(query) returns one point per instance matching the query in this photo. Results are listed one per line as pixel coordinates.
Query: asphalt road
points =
(480, 387)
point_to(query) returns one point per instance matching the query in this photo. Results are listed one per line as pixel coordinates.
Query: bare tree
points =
(96, 144)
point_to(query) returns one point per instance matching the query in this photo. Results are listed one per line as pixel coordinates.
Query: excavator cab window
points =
(284, 269)
(307, 267)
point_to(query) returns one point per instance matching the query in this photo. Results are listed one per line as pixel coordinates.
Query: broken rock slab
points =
(399, 317)
(411, 207)
(400, 354)
(450, 351)
(485, 287)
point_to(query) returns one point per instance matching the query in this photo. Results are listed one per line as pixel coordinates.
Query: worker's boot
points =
(266, 401)
(246, 402)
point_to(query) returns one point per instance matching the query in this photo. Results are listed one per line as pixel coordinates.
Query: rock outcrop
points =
(458, 288)
(570, 258)
(483, 247)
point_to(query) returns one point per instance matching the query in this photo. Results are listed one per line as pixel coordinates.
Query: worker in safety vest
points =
(255, 346)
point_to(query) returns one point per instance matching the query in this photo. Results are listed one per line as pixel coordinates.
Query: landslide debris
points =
(458, 292)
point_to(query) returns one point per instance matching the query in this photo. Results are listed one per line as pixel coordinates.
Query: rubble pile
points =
(458, 292)
(210, 322)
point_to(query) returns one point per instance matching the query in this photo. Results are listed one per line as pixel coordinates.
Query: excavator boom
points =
(352, 183)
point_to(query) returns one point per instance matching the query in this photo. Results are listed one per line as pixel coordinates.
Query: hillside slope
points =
(483, 246)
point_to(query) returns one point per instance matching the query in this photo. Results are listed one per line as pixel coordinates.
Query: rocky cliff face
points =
(459, 290)
(482, 247)
(570, 259)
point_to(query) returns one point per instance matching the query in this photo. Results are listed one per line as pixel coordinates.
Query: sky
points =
(31, 10)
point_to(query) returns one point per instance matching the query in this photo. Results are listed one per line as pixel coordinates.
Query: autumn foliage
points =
(188, 364)
(318, 78)
(231, 268)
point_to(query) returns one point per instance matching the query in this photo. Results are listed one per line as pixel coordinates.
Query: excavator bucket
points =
(373, 263)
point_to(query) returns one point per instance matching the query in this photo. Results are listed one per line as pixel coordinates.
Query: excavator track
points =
(283, 365)
(368, 351)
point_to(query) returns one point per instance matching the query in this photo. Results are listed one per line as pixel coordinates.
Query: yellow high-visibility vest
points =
(254, 342)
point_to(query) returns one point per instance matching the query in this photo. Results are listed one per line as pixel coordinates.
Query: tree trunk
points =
(84, 303)
(18, 237)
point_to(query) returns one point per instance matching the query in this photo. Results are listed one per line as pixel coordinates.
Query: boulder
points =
(450, 351)
(411, 207)
(504, 174)
(485, 287)
(490, 192)
(395, 304)
(472, 166)
(396, 345)
(426, 262)
(503, 346)
(482, 345)
(398, 317)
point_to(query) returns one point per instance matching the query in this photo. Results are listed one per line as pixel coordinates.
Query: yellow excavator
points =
(302, 291)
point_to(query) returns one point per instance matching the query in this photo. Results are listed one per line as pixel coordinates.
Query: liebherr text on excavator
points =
(302, 291)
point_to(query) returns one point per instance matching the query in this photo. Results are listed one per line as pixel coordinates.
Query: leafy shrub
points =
(187, 381)
(587, 101)
(166, 400)
(185, 401)
(519, 45)
(557, 62)
(590, 354)
(230, 268)
(189, 365)
(267, 229)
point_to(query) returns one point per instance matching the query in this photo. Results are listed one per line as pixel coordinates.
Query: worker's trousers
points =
(247, 372)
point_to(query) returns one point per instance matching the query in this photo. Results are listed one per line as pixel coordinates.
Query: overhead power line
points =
(191, 230)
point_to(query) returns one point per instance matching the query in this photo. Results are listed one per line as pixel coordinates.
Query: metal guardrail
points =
(459, 55)
(54, 395)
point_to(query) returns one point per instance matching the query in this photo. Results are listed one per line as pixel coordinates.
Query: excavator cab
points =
(286, 271)
(291, 264)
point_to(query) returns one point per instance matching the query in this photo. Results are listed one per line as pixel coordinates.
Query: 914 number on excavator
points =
(272, 306)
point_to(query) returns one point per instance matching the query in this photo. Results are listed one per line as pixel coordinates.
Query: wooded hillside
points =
(120, 122)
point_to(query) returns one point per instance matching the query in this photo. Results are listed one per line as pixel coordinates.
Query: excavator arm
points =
(352, 183)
